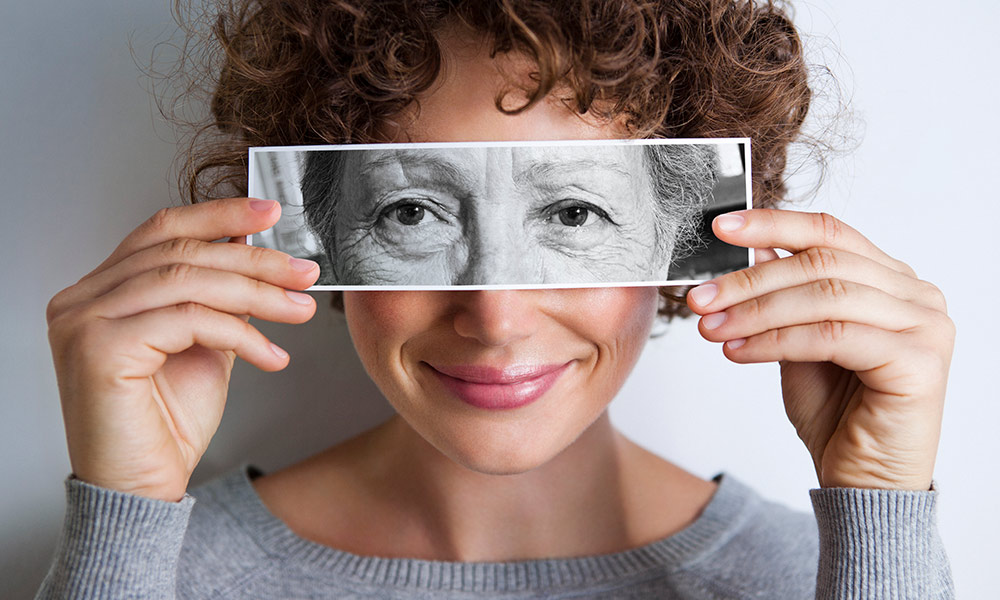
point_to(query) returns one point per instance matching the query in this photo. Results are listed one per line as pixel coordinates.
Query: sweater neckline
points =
(730, 506)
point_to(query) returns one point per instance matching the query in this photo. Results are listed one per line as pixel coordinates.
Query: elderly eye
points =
(577, 215)
(409, 214)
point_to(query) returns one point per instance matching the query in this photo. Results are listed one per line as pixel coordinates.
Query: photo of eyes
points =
(526, 214)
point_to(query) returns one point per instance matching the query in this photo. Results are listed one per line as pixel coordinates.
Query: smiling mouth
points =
(495, 388)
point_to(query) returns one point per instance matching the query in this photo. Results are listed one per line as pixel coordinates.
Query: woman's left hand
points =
(864, 345)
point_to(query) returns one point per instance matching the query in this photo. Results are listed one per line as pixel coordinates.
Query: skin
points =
(509, 215)
(144, 345)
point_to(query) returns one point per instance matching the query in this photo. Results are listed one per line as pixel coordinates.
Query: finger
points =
(264, 264)
(796, 231)
(886, 362)
(823, 300)
(137, 346)
(219, 290)
(299, 265)
(206, 221)
(763, 255)
(813, 264)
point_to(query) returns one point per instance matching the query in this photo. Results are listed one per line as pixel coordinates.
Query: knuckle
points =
(259, 255)
(832, 331)
(247, 331)
(946, 327)
(819, 262)
(67, 326)
(181, 249)
(776, 337)
(753, 308)
(768, 216)
(935, 297)
(190, 310)
(57, 305)
(175, 273)
(829, 228)
(748, 280)
(237, 331)
(833, 288)
(905, 268)
(161, 219)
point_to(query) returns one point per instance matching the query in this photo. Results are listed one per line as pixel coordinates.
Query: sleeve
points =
(879, 544)
(116, 545)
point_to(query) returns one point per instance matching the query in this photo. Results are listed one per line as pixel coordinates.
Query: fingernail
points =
(734, 344)
(301, 264)
(278, 351)
(299, 298)
(704, 293)
(262, 205)
(713, 320)
(729, 222)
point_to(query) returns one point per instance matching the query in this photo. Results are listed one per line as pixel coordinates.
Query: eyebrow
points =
(450, 173)
(544, 169)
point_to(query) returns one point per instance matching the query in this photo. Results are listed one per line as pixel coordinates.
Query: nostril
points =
(496, 317)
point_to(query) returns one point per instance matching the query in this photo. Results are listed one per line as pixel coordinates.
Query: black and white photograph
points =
(484, 215)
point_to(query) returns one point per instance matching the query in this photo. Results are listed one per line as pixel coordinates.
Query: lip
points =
(498, 388)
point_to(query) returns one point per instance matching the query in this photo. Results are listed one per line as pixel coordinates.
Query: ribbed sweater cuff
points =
(116, 545)
(879, 544)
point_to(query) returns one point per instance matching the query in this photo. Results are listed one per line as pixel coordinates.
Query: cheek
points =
(381, 322)
(617, 321)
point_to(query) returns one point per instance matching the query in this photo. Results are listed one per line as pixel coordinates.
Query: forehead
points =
(626, 159)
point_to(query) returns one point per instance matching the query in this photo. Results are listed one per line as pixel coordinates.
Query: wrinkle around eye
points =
(429, 236)
(621, 258)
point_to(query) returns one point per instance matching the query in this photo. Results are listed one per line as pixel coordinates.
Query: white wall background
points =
(83, 161)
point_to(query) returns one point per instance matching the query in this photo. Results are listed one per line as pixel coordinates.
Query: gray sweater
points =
(221, 542)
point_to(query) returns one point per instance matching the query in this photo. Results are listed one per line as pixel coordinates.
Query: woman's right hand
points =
(144, 345)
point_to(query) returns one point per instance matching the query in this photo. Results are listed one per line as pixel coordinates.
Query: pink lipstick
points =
(498, 388)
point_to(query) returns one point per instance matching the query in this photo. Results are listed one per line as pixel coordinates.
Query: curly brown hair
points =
(339, 71)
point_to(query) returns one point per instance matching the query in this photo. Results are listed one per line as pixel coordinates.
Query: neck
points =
(601, 494)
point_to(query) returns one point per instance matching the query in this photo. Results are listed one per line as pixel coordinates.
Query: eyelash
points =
(428, 205)
(553, 209)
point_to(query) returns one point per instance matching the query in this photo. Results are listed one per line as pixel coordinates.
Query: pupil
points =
(573, 216)
(410, 214)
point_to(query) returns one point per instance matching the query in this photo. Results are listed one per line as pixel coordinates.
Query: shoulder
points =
(761, 548)
(225, 543)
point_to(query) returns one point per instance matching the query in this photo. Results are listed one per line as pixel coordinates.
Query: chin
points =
(489, 460)
(503, 448)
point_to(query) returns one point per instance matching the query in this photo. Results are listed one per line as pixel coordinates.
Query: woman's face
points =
(500, 381)
(502, 215)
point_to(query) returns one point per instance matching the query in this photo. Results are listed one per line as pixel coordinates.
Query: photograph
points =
(481, 215)
(501, 299)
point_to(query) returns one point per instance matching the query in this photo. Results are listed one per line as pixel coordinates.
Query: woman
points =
(501, 474)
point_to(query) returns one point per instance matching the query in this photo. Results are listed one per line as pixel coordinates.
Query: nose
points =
(498, 317)
(501, 250)
(503, 262)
